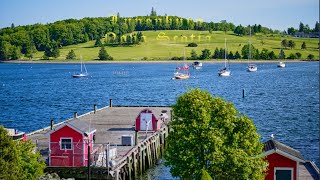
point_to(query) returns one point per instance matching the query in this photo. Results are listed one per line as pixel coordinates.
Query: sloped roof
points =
(80, 126)
(278, 146)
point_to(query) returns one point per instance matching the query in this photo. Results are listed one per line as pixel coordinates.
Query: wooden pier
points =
(111, 123)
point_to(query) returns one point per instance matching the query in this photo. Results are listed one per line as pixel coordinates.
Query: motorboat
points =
(197, 65)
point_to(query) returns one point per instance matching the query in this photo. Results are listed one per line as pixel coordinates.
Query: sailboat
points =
(281, 64)
(225, 71)
(251, 67)
(181, 72)
(83, 71)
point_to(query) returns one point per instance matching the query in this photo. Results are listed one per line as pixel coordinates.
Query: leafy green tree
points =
(245, 51)
(5, 50)
(291, 44)
(15, 53)
(205, 54)
(194, 55)
(284, 43)
(310, 56)
(317, 27)
(18, 159)
(301, 27)
(303, 45)
(209, 133)
(103, 55)
(71, 55)
(52, 49)
(291, 31)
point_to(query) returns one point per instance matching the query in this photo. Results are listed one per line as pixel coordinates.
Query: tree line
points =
(27, 40)
(304, 28)
(264, 54)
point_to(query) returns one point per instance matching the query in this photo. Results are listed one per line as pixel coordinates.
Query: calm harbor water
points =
(283, 102)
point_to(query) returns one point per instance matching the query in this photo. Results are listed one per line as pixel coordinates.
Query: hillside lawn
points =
(165, 48)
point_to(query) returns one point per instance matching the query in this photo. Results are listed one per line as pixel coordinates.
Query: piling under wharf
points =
(111, 123)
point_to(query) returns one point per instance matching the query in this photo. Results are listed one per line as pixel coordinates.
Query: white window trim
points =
(70, 142)
(282, 168)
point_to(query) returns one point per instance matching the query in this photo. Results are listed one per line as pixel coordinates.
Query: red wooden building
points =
(147, 121)
(68, 144)
(286, 163)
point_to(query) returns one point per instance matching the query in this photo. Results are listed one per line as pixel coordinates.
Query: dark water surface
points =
(284, 102)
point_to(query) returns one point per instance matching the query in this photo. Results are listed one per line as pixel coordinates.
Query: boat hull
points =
(281, 65)
(252, 68)
(224, 73)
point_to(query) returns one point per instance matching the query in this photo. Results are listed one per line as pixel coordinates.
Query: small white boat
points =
(82, 73)
(252, 68)
(281, 65)
(197, 65)
(225, 71)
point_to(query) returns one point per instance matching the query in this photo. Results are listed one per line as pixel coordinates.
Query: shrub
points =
(192, 44)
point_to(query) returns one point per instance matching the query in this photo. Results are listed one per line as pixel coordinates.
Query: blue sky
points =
(276, 14)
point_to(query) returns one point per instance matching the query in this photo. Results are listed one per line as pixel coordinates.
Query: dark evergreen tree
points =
(194, 55)
(205, 54)
(303, 45)
(71, 55)
(216, 54)
(103, 55)
(272, 55)
(98, 43)
(153, 12)
(298, 55)
(237, 55)
(282, 55)
(230, 55)
(301, 27)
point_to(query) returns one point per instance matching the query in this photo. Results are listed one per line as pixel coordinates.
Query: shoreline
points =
(148, 62)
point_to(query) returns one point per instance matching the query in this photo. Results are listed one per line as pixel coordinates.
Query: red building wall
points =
(277, 160)
(73, 157)
(155, 127)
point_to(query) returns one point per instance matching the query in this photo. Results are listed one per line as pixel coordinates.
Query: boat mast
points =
(81, 63)
(249, 57)
(225, 52)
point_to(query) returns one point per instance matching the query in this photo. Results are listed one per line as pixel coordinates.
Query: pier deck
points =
(110, 124)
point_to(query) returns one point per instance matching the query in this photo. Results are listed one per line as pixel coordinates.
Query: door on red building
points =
(283, 174)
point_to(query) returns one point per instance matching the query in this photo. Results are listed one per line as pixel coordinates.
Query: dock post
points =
(110, 102)
(136, 138)
(242, 93)
(94, 108)
(51, 123)
(75, 115)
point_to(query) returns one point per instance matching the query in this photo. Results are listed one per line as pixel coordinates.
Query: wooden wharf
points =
(111, 122)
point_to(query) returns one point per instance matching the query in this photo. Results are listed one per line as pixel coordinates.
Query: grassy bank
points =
(162, 45)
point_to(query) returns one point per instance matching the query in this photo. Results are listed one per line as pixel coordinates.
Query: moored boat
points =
(197, 65)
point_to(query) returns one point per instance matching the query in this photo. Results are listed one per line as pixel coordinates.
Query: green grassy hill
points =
(158, 47)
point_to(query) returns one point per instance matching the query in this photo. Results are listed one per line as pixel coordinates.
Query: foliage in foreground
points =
(210, 134)
(18, 159)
